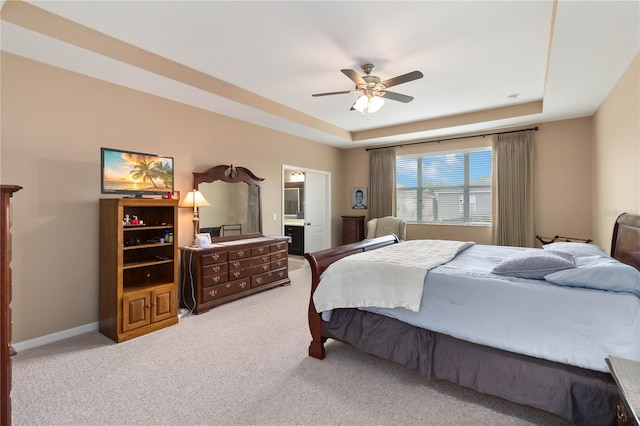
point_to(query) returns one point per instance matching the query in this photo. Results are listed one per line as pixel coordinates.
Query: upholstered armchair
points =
(386, 226)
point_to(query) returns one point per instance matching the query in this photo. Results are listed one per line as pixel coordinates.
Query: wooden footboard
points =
(319, 261)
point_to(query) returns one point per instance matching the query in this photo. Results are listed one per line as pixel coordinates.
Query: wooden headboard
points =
(625, 243)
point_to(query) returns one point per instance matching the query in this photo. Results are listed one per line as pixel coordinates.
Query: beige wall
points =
(55, 121)
(562, 184)
(53, 125)
(616, 165)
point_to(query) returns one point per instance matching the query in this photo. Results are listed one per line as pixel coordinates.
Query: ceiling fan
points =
(372, 90)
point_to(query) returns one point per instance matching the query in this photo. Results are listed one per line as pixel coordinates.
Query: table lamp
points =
(194, 199)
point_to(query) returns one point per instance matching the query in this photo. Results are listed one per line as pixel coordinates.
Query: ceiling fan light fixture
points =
(370, 103)
(361, 103)
(375, 103)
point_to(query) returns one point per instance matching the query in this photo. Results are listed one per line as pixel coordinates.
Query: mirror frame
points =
(243, 175)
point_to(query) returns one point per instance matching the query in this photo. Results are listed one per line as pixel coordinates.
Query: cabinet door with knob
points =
(144, 307)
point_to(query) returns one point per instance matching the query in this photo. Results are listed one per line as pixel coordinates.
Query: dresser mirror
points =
(236, 205)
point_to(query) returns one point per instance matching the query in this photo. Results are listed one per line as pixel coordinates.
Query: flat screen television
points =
(135, 174)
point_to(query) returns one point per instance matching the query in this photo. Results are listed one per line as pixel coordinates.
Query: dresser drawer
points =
(216, 268)
(223, 290)
(280, 263)
(215, 279)
(279, 255)
(268, 277)
(215, 257)
(279, 246)
(241, 253)
(252, 270)
(258, 251)
(350, 226)
(247, 263)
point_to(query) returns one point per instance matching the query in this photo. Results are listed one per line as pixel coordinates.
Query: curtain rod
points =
(452, 139)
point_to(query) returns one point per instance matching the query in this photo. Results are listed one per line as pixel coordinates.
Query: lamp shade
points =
(361, 103)
(371, 103)
(375, 103)
(194, 199)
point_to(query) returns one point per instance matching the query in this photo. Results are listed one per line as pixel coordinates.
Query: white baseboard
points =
(54, 337)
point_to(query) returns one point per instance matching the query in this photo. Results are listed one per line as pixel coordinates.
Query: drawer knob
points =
(228, 285)
(215, 268)
(215, 256)
(236, 274)
(259, 280)
(236, 264)
(260, 249)
(213, 292)
(621, 413)
(216, 278)
(265, 267)
(243, 284)
(240, 252)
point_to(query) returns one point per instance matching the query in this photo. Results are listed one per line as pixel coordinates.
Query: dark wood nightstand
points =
(626, 373)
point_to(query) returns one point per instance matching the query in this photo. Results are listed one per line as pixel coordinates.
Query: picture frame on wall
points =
(359, 198)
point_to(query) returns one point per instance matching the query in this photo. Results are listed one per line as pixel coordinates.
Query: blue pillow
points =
(576, 249)
(534, 264)
(600, 273)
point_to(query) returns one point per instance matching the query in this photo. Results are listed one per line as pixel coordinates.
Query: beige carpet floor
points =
(243, 363)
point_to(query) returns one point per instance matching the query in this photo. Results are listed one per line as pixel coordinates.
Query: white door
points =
(317, 207)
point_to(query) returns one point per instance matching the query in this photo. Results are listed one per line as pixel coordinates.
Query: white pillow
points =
(576, 249)
(601, 273)
(534, 264)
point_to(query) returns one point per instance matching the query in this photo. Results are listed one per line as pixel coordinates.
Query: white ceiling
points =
(473, 54)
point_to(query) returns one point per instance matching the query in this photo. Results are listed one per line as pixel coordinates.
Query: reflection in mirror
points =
(291, 200)
(231, 204)
(234, 194)
(293, 195)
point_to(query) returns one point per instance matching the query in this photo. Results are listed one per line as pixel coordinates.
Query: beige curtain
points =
(382, 182)
(513, 189)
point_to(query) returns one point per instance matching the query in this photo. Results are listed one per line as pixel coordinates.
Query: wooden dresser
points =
(231, 270)
(5, 303)
(352, 229)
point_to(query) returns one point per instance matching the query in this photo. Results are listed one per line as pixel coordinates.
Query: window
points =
(451, 188)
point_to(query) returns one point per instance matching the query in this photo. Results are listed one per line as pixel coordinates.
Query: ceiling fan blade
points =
(333, 93)
(354, 76)
(404, 78)
(397, 97)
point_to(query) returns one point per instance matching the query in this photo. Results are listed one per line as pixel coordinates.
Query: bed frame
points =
(579, 395)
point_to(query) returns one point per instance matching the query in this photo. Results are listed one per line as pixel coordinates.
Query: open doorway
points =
(306, 209)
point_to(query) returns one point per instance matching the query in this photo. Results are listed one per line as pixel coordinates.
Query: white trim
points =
(328, 231)
(54, 337)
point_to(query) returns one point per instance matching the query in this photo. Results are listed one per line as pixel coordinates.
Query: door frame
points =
(327, 202)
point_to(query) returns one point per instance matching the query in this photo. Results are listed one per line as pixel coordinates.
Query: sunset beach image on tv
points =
(136, 173)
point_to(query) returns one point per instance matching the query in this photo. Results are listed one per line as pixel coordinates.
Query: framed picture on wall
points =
(359, 198)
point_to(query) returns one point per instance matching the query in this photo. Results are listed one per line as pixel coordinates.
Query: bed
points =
(546, 343)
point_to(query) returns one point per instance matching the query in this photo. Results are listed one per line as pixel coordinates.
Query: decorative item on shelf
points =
(194, 199)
